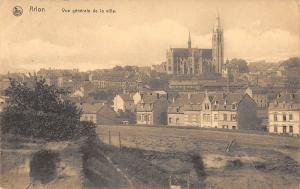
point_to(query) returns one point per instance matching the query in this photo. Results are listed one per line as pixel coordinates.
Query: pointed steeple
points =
(217, 25)
(189, 41)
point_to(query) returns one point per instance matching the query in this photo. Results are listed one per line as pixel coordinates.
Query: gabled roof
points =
(91, 108)
(126, 97)
(258, 90)
(192, 107)
(187, 52)
(286, 101)
(288, 98)
(224, 101)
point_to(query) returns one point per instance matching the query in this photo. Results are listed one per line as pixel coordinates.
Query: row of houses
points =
(207, 109)
(226, 110)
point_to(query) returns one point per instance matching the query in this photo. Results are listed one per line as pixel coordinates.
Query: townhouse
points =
(214, 110)
(98, 113)
(284, 114)
(152, 110)
(124, 102)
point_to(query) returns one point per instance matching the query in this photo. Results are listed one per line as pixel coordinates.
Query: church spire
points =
(217, 25)
(218, 46)
(189, 41)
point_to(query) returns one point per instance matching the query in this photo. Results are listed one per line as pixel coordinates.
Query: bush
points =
(198, 165)
(38, 111)
(43, 166)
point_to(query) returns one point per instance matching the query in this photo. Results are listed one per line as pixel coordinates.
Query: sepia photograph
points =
(149, 94)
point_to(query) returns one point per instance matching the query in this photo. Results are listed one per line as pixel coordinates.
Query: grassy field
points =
(151, 157)
(254, 160)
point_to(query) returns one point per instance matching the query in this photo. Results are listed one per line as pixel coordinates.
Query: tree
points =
(118, 68)
(38, 111)
(291, 63)
(239, 65)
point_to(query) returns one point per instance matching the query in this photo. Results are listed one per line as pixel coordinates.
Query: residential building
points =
(232, 111)
(176, 110)
(124, 102)
(284, 114)
(152, 110)
(214, 110)
(99, 113)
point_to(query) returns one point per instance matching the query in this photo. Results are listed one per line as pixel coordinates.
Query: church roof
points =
(188, 52)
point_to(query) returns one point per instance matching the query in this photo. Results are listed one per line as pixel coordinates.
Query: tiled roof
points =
(193, 102)
(286, 101)
(289, 98)
(126, 97)
(91, 108)
(224, 101)
(187, 52)
(192, 107)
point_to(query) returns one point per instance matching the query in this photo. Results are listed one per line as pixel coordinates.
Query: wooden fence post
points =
(188, 181)
(120, 144)
(109, 137)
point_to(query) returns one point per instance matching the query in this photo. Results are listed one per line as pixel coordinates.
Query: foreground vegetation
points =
(37, 110)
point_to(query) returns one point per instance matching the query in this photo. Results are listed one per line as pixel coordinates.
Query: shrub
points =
(43, 166)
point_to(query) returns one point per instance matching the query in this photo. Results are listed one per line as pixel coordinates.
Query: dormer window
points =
(206, 106)
(233, 106)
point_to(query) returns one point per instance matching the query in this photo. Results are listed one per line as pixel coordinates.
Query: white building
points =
(284, 114)
(124, 102)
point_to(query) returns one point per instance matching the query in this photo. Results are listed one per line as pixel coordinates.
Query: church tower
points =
(189, 41)
(218, 46)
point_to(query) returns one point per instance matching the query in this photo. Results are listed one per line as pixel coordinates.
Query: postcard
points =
(140, 94)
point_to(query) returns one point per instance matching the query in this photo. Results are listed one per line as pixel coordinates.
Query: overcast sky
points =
(141, 31)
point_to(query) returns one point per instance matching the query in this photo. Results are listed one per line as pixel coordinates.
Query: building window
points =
(290, 116)
(206, 106)
(206, 117)
(291, 129)
(170, 120)
(284, 117)
(177, 120)
(216, 117)
(233, 106)
(225, 126)
(284, 129)
(142, 117)
(225, 117)
(275, 129)
(233, 127)
(233, 117)
(275, 117)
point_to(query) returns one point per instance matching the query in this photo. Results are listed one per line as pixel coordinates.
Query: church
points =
(197, 61)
